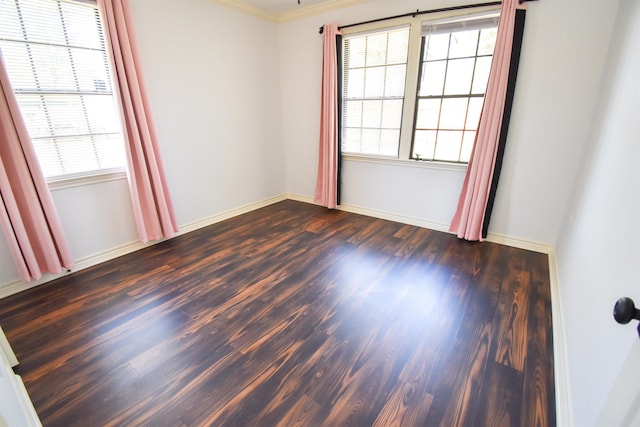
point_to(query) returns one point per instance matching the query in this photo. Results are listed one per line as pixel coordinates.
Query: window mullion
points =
(410, 89)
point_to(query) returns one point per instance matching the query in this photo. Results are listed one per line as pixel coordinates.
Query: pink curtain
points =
(27, 214)
(327, 181)
(152, 205)
(468, 220)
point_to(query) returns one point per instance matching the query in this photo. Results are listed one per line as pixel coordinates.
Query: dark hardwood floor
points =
(293, 315)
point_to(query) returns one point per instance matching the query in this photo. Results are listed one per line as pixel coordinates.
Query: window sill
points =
(423, 164)
(70, 181)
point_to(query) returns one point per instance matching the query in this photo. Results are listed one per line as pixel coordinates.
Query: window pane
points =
(453, 113)
(33, 111)
(53, 67)
(459, 74)
(81, 26)
(398, 47)
(355, 51)
(424, 144)
(351, 140)
(389, 142)
(437, 47)
(374, 82)
(448, 146)
(463, 44)
(394, 81)
(428, 113)
(66, 114)
(9, 21)
(376, 50)
(42, 21)
(432, 81)
(354, 83)
(110, 149)
(18, 65)
(77, 154)
(371, 114)
(90, 71)
(473, 116)
(481, 75)
(467, 146)
(48, 157)
(487, 41)
(101, 113)
(392, 114)
(370, 141)
(353, 114)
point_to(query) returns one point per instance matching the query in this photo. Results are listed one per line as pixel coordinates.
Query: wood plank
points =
(502, 387)
(406, 406)
(513, 315)
(538, 397)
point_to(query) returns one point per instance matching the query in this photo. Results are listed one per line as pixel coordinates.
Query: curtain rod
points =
(424, 12)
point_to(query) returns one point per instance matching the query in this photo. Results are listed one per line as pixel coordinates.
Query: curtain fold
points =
(328, 154)
(152, 204)
(28, 216)
(469, 218)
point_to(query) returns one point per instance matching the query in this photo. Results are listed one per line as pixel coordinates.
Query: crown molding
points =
(249, 9)
(316, 8)
(297, 13)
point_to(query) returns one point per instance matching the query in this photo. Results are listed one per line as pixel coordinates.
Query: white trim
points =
(80, 264)
(422, 164)
(95, 259)
(389, 216)
(433, 225)
(204, 222)
(564, 410)
(316, 8)
(249, 9)
(299, 12)
(87, 179)
(519, 243)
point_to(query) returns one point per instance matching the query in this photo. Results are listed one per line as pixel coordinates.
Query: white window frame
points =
(88, 177)
(411, 85)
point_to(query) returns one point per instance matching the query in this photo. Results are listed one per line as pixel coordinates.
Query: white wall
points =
(598, 253)
(214, 83)
(553, 106)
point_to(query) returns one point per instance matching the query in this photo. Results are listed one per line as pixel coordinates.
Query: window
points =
(56, 58)
(417, 97)
(375, 66)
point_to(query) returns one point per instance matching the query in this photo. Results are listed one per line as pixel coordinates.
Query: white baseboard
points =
(80, 264)
(516, 242)
(16, 286)
(213, 219)
(432, 225)
(564, 410)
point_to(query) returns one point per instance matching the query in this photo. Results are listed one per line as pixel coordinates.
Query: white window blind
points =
(374, 70)
(55, 55)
